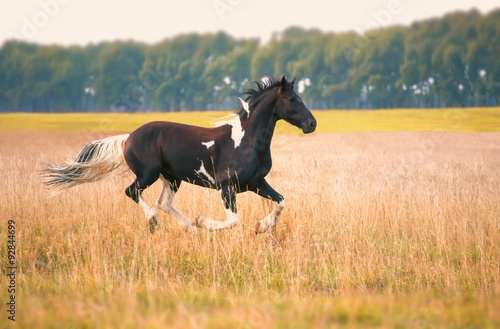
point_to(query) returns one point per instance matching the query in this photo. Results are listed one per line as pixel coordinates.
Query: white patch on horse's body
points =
(245, 105)
(237, 132)
(203, 171)
(208, 144)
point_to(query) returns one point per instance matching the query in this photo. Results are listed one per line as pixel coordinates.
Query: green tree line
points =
(442, 62)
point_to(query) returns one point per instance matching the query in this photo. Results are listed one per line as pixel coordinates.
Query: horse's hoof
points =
(198, 221)
(153, 225)
(191, 230)
(259, 228)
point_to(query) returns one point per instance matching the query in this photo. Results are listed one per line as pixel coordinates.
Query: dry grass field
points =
(390, 230)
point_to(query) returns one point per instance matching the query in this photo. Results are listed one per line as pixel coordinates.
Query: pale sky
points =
(89, 21)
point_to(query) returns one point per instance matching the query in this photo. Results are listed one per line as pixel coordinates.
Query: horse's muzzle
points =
(309, 126)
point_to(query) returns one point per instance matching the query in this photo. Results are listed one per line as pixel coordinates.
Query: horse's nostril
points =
(313, 123)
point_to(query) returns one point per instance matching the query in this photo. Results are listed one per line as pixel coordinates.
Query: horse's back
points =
(171, 148)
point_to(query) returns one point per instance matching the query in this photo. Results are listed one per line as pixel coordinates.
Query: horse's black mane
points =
(252, 95)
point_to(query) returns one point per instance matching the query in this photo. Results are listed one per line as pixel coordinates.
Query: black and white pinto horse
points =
(232, 157)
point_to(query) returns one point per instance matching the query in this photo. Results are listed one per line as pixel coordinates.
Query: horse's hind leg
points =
(134, 191)
(166, 203)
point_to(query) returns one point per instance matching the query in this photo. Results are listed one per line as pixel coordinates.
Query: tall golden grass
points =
(380, 230)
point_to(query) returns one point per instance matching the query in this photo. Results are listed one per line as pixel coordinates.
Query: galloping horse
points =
(232, 157)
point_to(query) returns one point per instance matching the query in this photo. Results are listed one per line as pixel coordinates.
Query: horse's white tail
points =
(96, 161)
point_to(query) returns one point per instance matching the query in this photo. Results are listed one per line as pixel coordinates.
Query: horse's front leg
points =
(263, 189)
(228, 196)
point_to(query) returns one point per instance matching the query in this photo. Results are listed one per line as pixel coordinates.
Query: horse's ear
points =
(293, 82)
(283, 82)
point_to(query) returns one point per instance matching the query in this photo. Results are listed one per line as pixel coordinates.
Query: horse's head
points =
(289, 107)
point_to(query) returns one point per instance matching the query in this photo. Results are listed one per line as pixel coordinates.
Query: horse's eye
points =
(292, 99)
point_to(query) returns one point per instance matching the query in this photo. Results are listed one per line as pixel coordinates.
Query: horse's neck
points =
(261, 123)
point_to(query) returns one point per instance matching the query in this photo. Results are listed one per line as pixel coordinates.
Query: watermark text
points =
(11, 270)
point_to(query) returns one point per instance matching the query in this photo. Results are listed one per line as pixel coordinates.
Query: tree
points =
(448, 61)
(117, 83)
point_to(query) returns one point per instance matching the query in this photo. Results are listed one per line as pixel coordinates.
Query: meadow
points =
(392, 221)
(450, 120)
